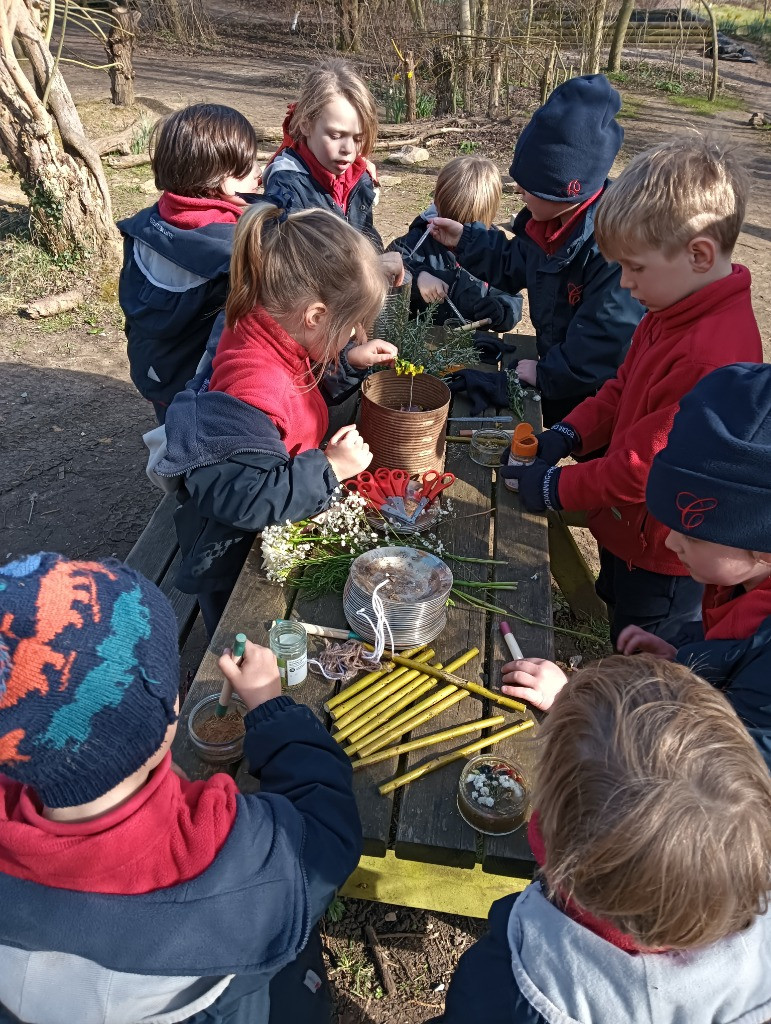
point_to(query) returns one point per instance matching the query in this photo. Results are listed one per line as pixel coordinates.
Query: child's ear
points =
(314, 315)
(703, 253)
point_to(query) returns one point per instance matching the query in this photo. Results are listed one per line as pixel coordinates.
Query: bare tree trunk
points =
(120, 51)
(548, 71)
(494, 98)
(464, 22)
(184, 20)
(595, 25)
(410, 87)
(441, 69)
(70, 208)
(714, 82)
(416, 13)
(350, 22)
(619, 35)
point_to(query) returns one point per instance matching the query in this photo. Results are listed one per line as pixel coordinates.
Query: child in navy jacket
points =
(243, 441)
(583, 317)
(672, 219)
(129, 894)
(323, 160)
(176, 254)
(467, 189)
(651, 826)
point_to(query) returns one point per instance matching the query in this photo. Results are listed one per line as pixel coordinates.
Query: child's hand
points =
(256, 679)
(447, 232)
(393, 267)
(371, 353)
(526, 371)
(348, 452)
(535, 680)
(431, 288)
(632, 639)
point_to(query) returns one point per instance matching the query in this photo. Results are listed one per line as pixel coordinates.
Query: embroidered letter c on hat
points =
(692, 509)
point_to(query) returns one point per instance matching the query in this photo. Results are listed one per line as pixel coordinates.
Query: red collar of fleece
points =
(597, 925)
(166, 834)
(731, 615)
(185, 212)
(339, 186)
(551, 234)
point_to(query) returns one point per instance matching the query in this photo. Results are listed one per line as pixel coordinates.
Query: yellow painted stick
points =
(376, 705)
(359, 684)
(345, 713)
(397, 672)
(447, 677)
(454, 755)
(384, 713)
(393, 731)
(428, 741)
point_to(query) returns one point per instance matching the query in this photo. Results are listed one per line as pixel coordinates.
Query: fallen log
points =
(129, 160)
(415, 140)
(50, 305)
(118, 142)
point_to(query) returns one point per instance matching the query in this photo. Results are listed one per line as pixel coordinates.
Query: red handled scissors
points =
(365, 485)
(392, 482)
(433, 485)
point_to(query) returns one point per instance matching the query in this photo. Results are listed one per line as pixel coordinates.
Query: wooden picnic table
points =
(418, 851)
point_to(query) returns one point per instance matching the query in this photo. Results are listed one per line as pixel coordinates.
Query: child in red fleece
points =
(328, 136)
(243, 441)
(671, 220)
(177, 253)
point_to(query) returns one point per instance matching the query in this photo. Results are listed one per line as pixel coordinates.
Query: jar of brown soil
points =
(216, 740)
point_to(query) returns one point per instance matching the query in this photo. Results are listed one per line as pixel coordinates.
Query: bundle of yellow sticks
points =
(372, 714)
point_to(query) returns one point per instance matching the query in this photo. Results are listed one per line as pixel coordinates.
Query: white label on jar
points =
(293, 670)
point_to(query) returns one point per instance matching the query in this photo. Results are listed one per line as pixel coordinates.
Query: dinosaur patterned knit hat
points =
(89, 672)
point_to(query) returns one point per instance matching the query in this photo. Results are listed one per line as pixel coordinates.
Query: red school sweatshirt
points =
(671, 351)
(263, 366)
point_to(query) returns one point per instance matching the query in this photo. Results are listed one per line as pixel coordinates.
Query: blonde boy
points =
(652, 827)
(468, 189)
(671, 221)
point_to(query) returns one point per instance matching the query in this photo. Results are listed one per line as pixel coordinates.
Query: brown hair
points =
(330, 79)
(654, 804)
(468, 188)
(285, 263)
(688, 185)
(194, 149)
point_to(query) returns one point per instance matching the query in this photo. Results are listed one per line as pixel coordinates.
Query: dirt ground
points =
(72, 469)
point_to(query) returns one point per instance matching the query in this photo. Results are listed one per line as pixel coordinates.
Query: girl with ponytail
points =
(244, 440)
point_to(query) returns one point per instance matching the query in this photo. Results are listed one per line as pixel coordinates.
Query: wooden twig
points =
(128, 160)
(377, 955)
(414, 140)
(50, 305)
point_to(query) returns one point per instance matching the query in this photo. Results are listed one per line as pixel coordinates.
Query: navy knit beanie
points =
(567, 149)
(89, 672)
(713, 479)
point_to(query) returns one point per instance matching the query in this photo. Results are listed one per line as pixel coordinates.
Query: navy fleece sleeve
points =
(341, 381)
(294, 756)
(251, 495)
(489, 254)
(597, 338)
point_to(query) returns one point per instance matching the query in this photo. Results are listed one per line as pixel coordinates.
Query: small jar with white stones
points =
(493, 795)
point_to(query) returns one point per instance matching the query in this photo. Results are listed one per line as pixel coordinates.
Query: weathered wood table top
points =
(420, 823)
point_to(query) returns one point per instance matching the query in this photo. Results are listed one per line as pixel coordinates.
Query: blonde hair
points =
(687, 186)
(654, 804)
(468, 188)
(330, 79)
(286, 263)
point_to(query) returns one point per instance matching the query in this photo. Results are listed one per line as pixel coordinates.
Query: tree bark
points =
(548, 71)
(595, 27)
(120, 52)
(713, 85)
(494, 98)
(415, 8)
(464, 22)
(70, 207)
(410, 87)
(443, 87)
(619, 35)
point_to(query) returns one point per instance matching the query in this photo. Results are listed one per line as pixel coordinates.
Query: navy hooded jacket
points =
(583, 318)
(235, 477)
(474, 298)
(172, 286)
(204, 949)
(289, 173)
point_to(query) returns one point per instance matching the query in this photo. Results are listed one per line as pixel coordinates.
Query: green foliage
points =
(140, 142)
(420, 342)
(468, 146)
(336, 910)
(426, 104)
(729, 26)
(393, 98)
(757, 30)
(671, 87)
(701, 105)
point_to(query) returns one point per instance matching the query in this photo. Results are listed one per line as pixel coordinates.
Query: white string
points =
(378, 628)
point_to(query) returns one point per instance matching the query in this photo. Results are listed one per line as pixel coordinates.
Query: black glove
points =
(483, 389)
(538, 485)
(557, 443)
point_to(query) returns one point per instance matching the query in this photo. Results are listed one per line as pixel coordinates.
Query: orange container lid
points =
(523, 442)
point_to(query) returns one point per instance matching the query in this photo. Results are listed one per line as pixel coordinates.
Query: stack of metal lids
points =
(414, 596)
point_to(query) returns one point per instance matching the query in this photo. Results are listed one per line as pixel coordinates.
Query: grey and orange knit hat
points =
(89, 673)
(713, 479)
